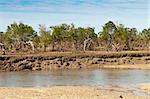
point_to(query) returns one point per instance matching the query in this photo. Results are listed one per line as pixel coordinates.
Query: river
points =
(74, 77)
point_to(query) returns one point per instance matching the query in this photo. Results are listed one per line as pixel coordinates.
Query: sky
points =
(94, 13)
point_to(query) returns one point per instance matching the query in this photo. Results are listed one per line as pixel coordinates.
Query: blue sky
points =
(132, 13)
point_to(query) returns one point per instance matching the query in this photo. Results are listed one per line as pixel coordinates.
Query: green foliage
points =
(145, 34)
(65, 35)
(91, 33)
(45, 37)
(108, 29)
(72, 35)
(20, 31)
(60, 32)
(36, 41)
(17, 34)
(120, 35)
(1, 37)
(7, 40)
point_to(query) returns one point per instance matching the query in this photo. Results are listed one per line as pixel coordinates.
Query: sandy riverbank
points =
(64, 92)
(145, 87)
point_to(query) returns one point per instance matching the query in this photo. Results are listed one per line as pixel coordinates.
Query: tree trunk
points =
(32, 45)
(3, 48)
(44, 48)
(74, 46)
(84, 47)
(52, 47)
(85, 44)
(148, 45)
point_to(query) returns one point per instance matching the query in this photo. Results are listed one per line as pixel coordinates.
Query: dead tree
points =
(3, 48)
(85, 43)
(32, 45)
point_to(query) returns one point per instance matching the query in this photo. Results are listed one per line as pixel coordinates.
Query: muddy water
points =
(74, 77)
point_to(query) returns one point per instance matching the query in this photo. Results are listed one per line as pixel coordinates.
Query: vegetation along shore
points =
(66, 46)
(67, 37)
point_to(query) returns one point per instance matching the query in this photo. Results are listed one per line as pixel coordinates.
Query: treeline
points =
(67, 37)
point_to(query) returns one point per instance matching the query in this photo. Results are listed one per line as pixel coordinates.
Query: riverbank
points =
(145, 87)
(79, 60)
(64, 92)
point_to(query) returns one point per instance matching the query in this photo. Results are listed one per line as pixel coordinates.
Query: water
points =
(74, 77)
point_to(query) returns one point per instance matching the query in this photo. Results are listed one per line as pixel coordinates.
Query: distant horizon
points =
(95, 13)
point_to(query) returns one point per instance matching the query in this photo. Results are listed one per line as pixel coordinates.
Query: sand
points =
(128, 66)
(145, 87)
(64, 92)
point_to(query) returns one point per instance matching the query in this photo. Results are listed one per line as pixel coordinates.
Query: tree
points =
(73, 37)
(145, 36)
(120, 37)
(36, 41)
(18, 34)
(60, 35)
(90, 37)
(83, 37)
(131, 38)
(107, 34)
(45, 37)
(2, 47)
(67, 37)
(1, 37)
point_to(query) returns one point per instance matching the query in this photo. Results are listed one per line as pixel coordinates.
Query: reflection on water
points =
(74, 77)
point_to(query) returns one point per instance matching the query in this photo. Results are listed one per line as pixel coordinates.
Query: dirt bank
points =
(65, 92)
(80, 60)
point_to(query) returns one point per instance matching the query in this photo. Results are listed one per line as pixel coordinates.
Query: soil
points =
(70, 60)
